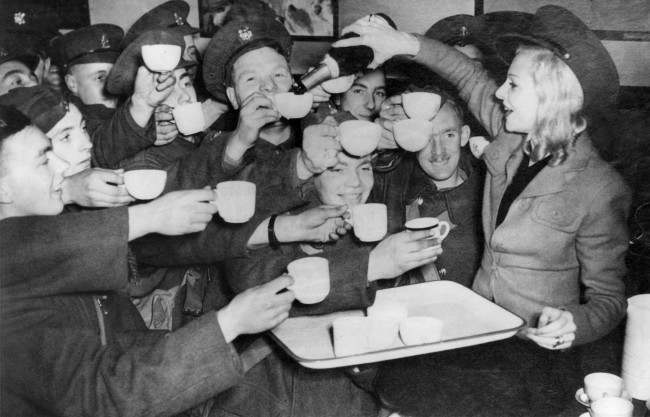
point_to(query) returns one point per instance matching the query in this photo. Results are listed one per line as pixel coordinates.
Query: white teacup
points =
(421, 105)
(145, 184)
(311, 279)
(611, 407)
(439, 228)
(601, 384)
(356, 335)
(235, 200)
(293, 106)
(388, 310)
(370, 221)
(359, 137)
(338, 85)
(418, 330)
(412, 135)
(161, 57)
(189, 118)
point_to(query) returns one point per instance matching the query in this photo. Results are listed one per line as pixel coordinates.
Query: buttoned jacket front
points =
(564, 239)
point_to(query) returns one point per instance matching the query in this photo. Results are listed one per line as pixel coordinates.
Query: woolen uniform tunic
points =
(55, 274)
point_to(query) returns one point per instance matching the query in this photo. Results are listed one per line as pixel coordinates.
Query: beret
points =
(12, 48)
(95, 43)
(43, 105)
(236, 38)
(169, 15)
(121, 79)
(557, 29)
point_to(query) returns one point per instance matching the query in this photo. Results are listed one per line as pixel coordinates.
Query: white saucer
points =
(582, 398)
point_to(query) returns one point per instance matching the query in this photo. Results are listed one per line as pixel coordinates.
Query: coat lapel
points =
(552, 180)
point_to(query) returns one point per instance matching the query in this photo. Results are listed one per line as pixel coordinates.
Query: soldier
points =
(117, 131)
(172, 16)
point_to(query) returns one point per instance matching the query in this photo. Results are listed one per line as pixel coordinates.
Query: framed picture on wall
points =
(308, 19)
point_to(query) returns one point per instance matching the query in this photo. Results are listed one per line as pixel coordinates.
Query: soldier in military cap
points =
(87, 56)
(170, 15)
(26, 33)
(15, 65)
(246, 63)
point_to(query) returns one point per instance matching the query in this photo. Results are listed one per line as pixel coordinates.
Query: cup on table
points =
(145, 184)
(311, 279)
(611, 407)
(439, 229)
(599, 385)
(421, 105)
(359, 137)
(235, 200)
(293, 106)
(161, 57)
(189, 118)
(370, 221)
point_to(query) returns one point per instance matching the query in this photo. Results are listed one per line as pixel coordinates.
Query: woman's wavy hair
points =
(559, 118)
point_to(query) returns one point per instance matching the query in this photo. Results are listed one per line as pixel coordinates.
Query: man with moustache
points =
(444, 181)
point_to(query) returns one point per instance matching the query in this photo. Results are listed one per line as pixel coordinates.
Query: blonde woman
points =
(554, 218)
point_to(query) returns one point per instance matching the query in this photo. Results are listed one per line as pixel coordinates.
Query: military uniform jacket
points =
(71, 345)
(564, 239)
(113, 132)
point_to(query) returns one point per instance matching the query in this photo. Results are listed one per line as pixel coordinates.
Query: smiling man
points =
(445, 181)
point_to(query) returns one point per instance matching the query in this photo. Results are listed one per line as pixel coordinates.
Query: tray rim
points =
(305, 361)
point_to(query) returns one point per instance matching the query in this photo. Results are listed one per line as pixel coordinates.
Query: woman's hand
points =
(555, 329)
(385, 41)
(402, 252)
(96, 187)
(257, 309)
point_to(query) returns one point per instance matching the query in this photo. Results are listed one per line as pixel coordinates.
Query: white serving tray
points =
(469, 320)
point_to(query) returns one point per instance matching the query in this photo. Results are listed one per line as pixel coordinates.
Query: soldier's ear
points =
(464, 135)
(71, 83)
(232, 97)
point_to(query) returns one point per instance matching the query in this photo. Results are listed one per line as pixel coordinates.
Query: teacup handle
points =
(216, 199)
(443, 224)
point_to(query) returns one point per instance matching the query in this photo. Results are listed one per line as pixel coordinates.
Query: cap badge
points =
(178, 19)
(19, 18)
(104, 41)
(464, 32)
(245, 34)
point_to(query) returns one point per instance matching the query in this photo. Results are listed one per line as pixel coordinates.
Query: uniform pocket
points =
(557, 212)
